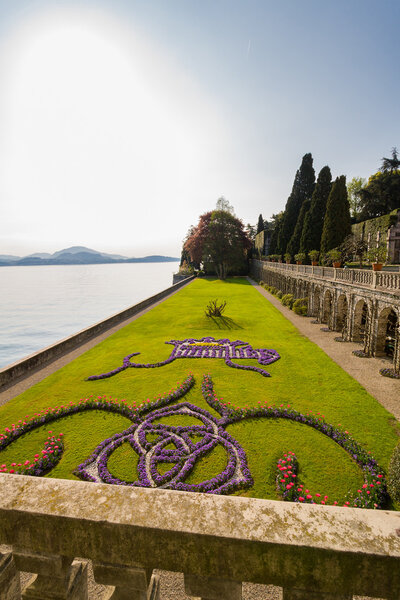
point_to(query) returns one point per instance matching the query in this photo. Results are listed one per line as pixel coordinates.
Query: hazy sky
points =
(121, 122)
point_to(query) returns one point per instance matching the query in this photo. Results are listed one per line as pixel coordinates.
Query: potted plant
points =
(288, 258)
(300, 257)
(313, 256)
(335, 256)
(377, 256)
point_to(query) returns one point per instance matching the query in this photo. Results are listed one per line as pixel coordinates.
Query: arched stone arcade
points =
(360, 312)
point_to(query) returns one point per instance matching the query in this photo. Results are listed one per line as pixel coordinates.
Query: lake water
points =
(41, 305)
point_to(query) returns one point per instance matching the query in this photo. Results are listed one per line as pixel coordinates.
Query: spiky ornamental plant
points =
(303, 188)
(314, 219)
(337, 222)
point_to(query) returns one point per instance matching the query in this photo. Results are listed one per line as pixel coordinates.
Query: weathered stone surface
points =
(10, 588)
(211, 588)
(222, 537)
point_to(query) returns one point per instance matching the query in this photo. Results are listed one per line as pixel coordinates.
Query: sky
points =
(121, 122)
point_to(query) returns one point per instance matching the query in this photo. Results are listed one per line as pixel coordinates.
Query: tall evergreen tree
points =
(293, 246)
(276, 225)
(314, 220)
(337, 221)
(260, 224)
(303, 188)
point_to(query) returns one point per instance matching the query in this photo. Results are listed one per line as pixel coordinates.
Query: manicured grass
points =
(304, 377)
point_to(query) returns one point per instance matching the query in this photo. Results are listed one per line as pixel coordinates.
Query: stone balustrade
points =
(388, 280)
(218, 542)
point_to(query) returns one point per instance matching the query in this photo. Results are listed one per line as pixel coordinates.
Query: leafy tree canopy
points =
(220, 239)
(354, 188)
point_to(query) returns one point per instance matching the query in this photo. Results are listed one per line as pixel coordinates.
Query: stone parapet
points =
(216, 541)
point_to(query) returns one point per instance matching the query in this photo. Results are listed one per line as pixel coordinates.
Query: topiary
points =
(273, 290)
(279, 294)
(394, 474)
(300, 306)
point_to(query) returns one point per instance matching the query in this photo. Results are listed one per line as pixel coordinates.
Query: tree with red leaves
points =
(219, 239)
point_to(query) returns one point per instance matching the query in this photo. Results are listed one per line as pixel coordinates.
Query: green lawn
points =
(304, 377)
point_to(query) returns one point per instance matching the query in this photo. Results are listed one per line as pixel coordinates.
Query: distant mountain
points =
(80, 249)
(77, 255)
(9, 257)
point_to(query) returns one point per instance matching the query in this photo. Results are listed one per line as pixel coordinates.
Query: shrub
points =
(300, 306)
(394, 474)
(287, 300)
(279, 294)
(273, 290)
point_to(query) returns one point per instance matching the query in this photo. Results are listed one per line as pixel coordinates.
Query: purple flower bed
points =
(206, 347)
(173, 444)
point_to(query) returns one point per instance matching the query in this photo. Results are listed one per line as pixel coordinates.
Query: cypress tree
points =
(303, 187)
(273, 244)
(337, 221)
(293, 246)
(314, 220)
(260, 224)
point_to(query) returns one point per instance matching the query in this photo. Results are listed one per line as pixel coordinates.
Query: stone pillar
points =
(59, 577)
(371, 329)
(396, 354)
(130, 582)
(10, 587)
(212, 588)
(301, 594)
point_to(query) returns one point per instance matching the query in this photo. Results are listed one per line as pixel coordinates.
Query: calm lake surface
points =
(41, 305)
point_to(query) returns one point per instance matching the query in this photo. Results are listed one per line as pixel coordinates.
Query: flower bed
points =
(206, 347)
(185, 453)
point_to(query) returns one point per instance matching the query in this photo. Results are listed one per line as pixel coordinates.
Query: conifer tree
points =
(293, 246)
(337, 221)
(260, 224)
(303, 188)
(314, 220)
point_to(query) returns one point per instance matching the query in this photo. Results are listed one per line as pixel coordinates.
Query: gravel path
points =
(365, 371)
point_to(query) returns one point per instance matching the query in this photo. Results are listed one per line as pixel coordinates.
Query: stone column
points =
(130, 582)
(299, 594)
(10, 588)
(59, 577)
(396, 354)
(212, 588)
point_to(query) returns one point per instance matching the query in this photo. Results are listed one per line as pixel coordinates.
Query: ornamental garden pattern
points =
(157, 443)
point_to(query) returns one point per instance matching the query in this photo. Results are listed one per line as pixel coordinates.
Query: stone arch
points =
(388, 321)
(342, 310)
(360, 320)
(327, 307)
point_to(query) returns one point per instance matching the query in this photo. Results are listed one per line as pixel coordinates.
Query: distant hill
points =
(77, 255)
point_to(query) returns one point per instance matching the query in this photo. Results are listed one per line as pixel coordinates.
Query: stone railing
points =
(312, 552)
(369, 279)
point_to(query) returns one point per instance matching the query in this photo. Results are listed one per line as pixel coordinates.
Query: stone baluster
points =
(59, 577)
(212, 588)
(130, 583)
(300, 594)
(10, 588)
